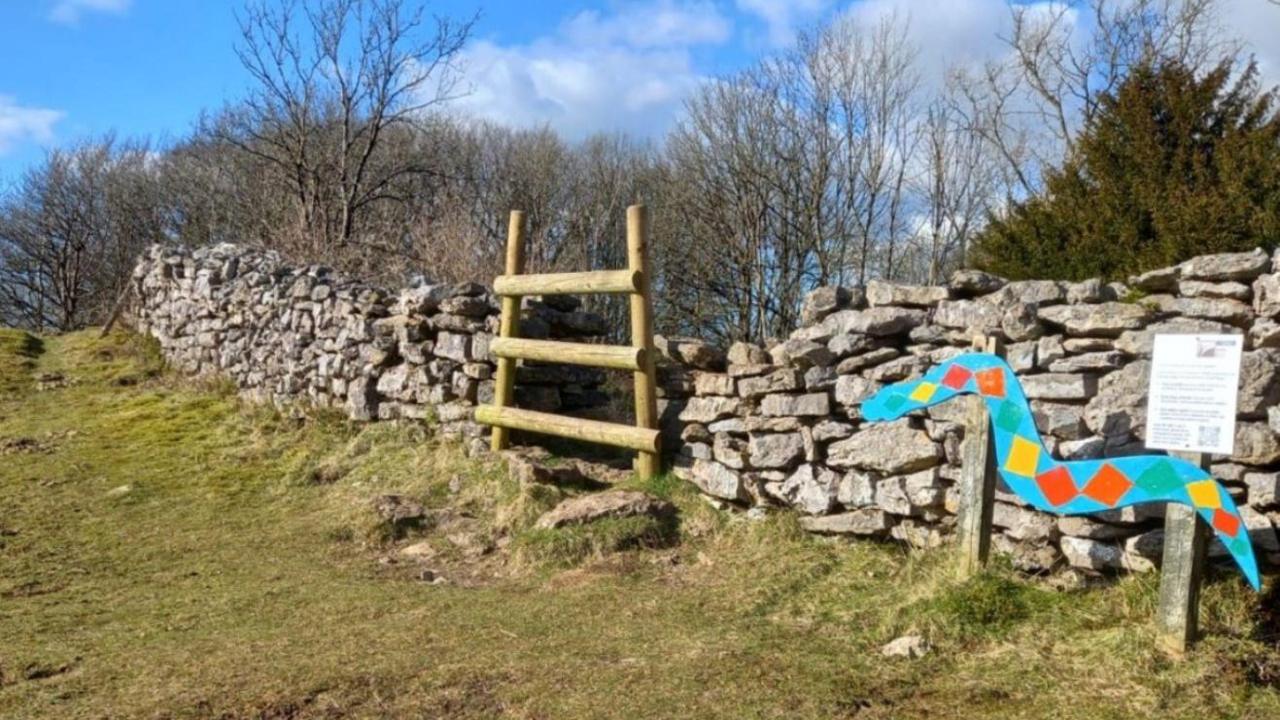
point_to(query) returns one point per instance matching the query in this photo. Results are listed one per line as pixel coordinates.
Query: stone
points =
(1078, 346)
(1155, 281)
(453, 346)
(743, 353)
(1059, 386)
(809, 405)
(1063, 421)
(690, 352)
(1022, 523)
(1226, 266)
(1255, 444)
(1088, 362)
(856, 490)
(907, 646)
(1085, 527)
(853, 389)
(1031, 292)
(877, 321)
(856, 363)
(710, 408)
(1021, 323)
(717, 480)
(780, 380)
(1049, 349)
(811, 489)
(1259, 382)
(1264, 488)
(1223, 290)
(830, 429)
(775, 450)
(1091, 554)
(1087, 291)
(1264, 334)
(974, 316)
(729, 451)
(846, 344)
(806, 353)
(591, 508)
(1021, 356)
(880, 292)
(1087, 448)
(821, 302)
(1138, 343)
(1108, 319)
(856, 522)
(1231, 312)
(974, 282)
(910, 495)
(1120, 405)
(399, 510)
(709, 383)
(1266, 296)
(896, 369)
(891, 448)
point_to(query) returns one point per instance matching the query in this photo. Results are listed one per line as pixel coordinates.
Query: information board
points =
(1191, 401)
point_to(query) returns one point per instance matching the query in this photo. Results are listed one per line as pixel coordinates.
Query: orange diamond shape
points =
(1107, 485)
(991, 382)
(1226, 523)
(1057, 485)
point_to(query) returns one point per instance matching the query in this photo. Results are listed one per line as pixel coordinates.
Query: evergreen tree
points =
(1172, 166)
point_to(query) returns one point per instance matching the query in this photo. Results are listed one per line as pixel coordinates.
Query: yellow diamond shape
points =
(1023, 456)
(1204, 494)
(923, 392)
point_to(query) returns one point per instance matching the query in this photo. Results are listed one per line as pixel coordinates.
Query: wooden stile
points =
(643, 437)
(977, 478)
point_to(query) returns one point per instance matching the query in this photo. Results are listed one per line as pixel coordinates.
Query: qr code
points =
(1209, 435)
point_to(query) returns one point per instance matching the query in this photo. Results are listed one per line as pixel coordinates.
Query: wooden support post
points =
(647, 463)
(977, 477)
(1186, 537)
(509, 326)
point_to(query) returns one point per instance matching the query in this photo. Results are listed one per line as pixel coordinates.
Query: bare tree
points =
(335, 81)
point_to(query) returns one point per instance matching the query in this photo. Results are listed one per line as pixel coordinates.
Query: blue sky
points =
(71, 68)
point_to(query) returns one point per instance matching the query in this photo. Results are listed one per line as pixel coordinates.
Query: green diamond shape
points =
(893, 402)
(1238, 546)
(1009, 417)
(1159, 478)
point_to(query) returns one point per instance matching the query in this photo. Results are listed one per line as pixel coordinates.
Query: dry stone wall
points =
(287, 334)
(779, 426)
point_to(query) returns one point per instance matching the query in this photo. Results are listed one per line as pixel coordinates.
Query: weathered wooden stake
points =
(508, 327)
(1186, 537)
(647, 463)
(977, 477)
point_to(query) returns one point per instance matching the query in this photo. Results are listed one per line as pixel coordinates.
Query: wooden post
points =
(509, 326)
(977, 477)
(1186, 537)
(647, 463)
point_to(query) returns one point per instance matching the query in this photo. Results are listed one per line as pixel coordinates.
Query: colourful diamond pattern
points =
(1226, 523)
(1107, 485)
(1057, 485)
(923, 392)
(1009, 417)
(1159, 478)
(1204, 494)
(956, 377)
(991, 382)
(1023, 457)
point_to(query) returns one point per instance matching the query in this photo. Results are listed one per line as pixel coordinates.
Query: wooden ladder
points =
(636, 357)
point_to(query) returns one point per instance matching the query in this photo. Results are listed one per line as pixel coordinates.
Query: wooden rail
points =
(618, 357)
(605, 433)
(576, 283)
(637, 357)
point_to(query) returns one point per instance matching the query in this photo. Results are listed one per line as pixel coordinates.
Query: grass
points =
(167, 552)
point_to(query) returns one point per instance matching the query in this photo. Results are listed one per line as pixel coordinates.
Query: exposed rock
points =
(1155, 281)
(775, 451)
(811, 489)
(974, 282)
(1091, 554)
(399, 509)
(974, 316)
(1087, 291)
(856, 363)
(877, 321)
(1120, 405)
(854, 522)
(717, 480)
(780, 380)
(710, 408)
(883, 293)
(812, 405)
(1224, 290)
(806, 353)
(907, 646)
(608, 504)
(690, 352)
(1049, 349)
(708, 383)
(1088, 362)
(1020, 323)
(743, 353)
(891, 448)
(1059, 386)
(1256, 444)
(1138, 342)
(1232, 312)
(821, 302)
(1264, 488)
(1266, 296)
(1023, 524)
(1103, 319)
(1226, 266)
(1259, 382)
(1060, 420)
(853, 389)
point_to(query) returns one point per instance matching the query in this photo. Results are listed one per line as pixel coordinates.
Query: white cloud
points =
(782, 17)
(629, 70)
(25, 124)
(68, 12)
(1256, 23)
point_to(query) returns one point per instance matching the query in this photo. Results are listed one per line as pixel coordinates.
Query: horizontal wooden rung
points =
(618, 357)
(606, 433)
(576, 283)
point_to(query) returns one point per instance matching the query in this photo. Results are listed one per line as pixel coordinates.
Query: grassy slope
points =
(227, 581)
